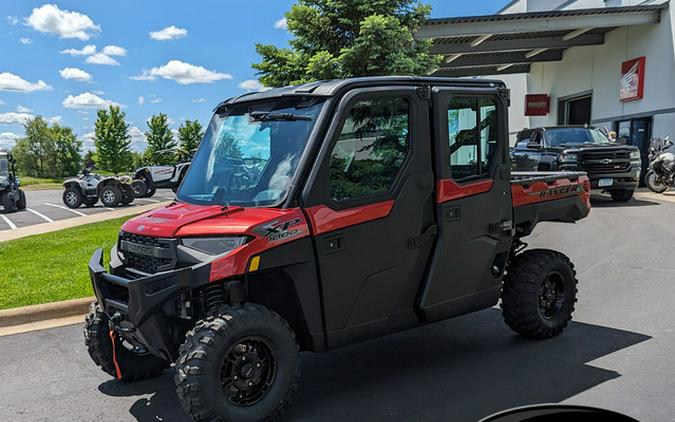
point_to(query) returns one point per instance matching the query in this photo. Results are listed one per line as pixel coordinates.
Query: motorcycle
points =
(661, 171)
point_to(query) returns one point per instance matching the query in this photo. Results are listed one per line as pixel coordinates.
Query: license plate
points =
(605, 182)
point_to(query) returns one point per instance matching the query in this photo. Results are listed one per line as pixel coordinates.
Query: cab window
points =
(473, 132)
(371, 149)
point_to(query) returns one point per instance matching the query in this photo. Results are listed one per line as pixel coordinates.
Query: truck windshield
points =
(563, 136)
(250, 153)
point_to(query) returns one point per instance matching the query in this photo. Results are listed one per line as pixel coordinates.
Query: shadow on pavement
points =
(457, 370)
(598, 201)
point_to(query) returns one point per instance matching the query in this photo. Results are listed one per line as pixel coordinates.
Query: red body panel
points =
(541, 191)
(324, 219)
(268, 227)
(449, 190)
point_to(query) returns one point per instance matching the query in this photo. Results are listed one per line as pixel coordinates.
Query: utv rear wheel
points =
(21, 202)
(127, 195)
(539, 293)
(135, 363)
(111, 196)
(621, 195)
(139, 188)
(240, 364)
(72, 198)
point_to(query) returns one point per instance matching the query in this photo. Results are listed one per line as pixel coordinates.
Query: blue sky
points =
(64, 59)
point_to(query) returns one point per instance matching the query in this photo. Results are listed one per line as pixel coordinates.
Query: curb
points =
(36, 313)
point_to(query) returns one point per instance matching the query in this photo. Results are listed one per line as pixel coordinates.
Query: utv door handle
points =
(332, 244)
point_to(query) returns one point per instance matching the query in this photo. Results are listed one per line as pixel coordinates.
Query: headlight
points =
(634, 155)
(568, 158)
(213, 245)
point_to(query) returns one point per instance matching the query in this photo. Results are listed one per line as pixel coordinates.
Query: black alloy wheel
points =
(248, 371)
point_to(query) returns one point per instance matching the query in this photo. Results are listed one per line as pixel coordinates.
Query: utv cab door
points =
(473, 202)
(370, 205)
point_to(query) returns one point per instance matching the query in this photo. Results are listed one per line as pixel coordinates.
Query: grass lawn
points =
(37, 183)
(53, 266)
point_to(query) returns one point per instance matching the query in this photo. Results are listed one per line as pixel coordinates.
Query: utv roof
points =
(329, 88)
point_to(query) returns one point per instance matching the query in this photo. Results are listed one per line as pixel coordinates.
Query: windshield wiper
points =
(264, 116)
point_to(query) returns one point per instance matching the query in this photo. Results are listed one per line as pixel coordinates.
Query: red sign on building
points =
(632, 79)
(537, 104)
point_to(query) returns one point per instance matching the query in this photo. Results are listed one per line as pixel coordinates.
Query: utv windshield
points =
(4, 169)
(575, 136)
(250, 153)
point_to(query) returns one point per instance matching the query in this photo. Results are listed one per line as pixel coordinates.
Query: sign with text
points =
(537, 104)
(632, 79)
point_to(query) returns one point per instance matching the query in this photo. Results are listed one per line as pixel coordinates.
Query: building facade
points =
(610, 64)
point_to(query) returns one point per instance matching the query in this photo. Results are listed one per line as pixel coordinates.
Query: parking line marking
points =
(8, 221)
(147, 199)
(66, 208)
(44, 217)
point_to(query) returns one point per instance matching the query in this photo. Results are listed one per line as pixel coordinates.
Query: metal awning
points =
(510, 43)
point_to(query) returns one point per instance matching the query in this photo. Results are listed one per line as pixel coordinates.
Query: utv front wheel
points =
(72, 198)
(238, 365)
(539, 293)
(135, 363)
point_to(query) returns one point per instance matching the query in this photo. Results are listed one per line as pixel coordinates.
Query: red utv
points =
(320, 215)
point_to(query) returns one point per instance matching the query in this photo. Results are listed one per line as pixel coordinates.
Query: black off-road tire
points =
(127, 195)
(221, 335)
(21, 202)
(133, 367)
(110, 196)
(8, 203)
(523, 295)
(72, 197)
(622, 195)
(650, 182)
(139, 187)
(89, 202)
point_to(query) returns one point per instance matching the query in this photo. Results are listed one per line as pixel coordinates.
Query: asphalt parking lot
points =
(45, 206)
(617, 354)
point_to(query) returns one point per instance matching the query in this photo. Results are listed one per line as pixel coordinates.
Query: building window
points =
(472, 133)
(371, 149)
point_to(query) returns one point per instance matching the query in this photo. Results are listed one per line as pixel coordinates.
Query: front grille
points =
(147, 254)
(594, 162)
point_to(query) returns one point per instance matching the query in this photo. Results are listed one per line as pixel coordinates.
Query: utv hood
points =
(180, 219)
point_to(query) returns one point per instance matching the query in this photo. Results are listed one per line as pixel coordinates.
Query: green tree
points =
(344, 38)
(112, 140)
(159, 138)
(190, 134)
(35, 152)
(67, 146)
(89, 158)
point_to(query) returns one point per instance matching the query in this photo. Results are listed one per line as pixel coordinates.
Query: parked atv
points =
(168, 177)
(318, 216)
(89, 187)
(11, 197)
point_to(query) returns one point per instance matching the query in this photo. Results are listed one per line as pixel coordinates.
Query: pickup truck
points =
(320, 215)
(612, 167)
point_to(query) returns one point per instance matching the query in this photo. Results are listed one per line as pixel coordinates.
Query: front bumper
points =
(146, 304)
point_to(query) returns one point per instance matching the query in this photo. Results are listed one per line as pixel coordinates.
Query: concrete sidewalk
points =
(6, 235)
(644, 193)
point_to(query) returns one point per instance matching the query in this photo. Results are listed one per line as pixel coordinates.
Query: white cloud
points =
(183, 73)
(54, 119)
(100, 58)
(12, 118)
(138, 139)
(169, 33)
(114, 50)
(88, 141)
(25, 41)
(13, 20)
(52, 20)
(281, 24)
(3, 103)
(253, 85)
(199, 100)
(141, 101)
(155, 100)
(87, 50)
(12, 82)
(86, 100)
(75, 74)
(8, 140)
(22, 109)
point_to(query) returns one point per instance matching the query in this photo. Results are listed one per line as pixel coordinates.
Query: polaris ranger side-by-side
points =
(12, 197)
(316, 216)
